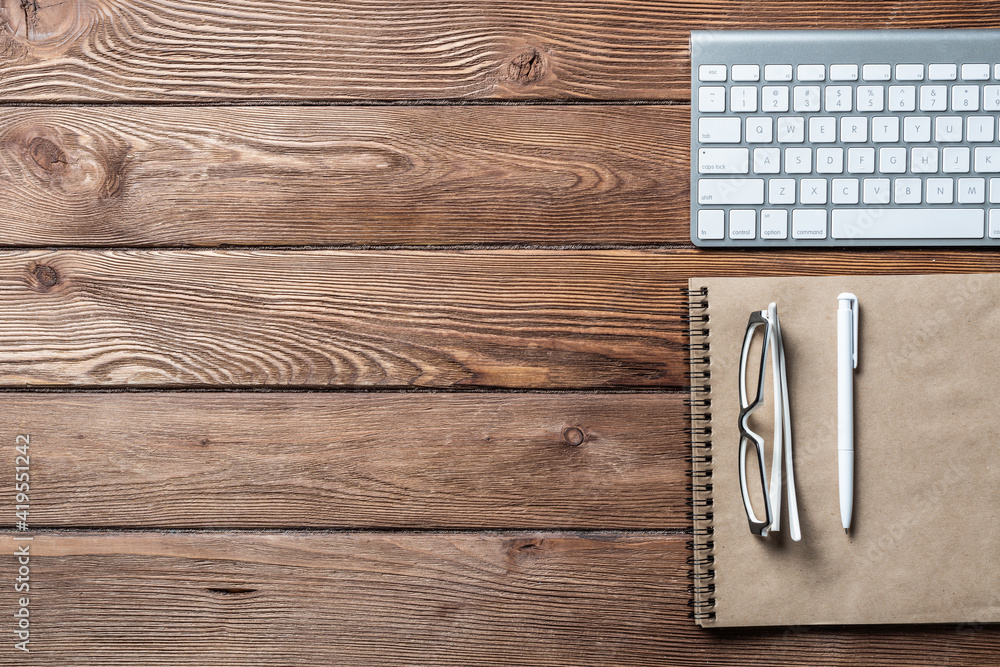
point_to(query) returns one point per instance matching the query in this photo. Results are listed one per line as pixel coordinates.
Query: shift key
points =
(721, 191)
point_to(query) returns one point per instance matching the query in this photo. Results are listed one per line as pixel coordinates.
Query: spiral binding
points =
(702, 574)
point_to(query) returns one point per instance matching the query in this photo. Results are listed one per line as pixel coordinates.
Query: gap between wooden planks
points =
(301, 51)
(519, 598)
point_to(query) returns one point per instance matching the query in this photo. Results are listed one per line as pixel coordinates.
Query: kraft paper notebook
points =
(924, 545)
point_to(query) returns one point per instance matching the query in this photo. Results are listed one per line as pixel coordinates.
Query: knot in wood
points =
(574, 436)
(47, 155)
(42, 277)
(50, 27)
(526, 67)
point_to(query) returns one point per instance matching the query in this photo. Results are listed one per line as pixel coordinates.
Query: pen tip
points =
(845, 531)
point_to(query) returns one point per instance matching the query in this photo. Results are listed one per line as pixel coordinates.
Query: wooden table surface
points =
(348, 332)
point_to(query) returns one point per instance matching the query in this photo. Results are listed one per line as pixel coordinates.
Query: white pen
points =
(847, 361)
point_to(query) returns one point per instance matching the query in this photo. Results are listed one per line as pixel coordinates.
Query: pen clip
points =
(853, 301)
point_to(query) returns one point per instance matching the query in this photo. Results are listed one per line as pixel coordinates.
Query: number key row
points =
(844, 99)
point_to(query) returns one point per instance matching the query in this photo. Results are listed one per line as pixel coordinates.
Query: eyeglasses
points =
(767, 322)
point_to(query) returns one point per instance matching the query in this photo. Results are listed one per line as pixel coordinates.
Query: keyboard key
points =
(916, 129)
(822, 129)
(812, 191)
(854, 129)
(991, 98)
(910, 72)
(838, 99)
(722, 191)
(924, 160)
(746, 72)
(907, 190)
(719, 130)
(987, 160)
(798, 160)
(965, 98)
(942, 72)
(948, 128)
(781, 191)
(907, 223)
(811, 72)
(994, 223)
(711, 99)
(743, 224)
(940, 190)
(871, 98)
(774, 99)
(711, 225)
(844, 190)
(809, 223)
(995, 190)
(791, 130)
(933, 98)
(712, 73)
(774, 224)
(861, 160)
(876, 191)
(971, 190)
(743, 99)
(979, 128)
(892, 160)
(976, 72)
(955, 160)
(830, 160)
(843, 72)
(766, 160)
(723, 161)
(885, 129)
(996, 71)
(759, 129)
(876, 72)
(777, 72)
(902, 98)
(805, 98)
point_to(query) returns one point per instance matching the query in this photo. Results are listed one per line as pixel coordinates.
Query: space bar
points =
(908, 223)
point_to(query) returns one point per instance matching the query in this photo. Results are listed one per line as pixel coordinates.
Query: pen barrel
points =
(845, 380)
(845, 411)
(845, 460)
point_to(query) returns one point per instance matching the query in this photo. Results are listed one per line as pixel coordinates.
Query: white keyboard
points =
(845, 138)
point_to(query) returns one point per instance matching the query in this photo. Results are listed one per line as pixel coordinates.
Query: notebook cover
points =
(926, 525)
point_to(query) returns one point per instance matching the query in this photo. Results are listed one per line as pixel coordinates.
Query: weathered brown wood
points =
(509, 318)
(341, 175)
(194, 50)
(337, 460)
(376, 598)
(346, 318)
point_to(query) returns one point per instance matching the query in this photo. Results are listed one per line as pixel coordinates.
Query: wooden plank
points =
(341, 175)
(377, 598)
(336, 460)
(347, 318)
(301, 50)
(318, 318)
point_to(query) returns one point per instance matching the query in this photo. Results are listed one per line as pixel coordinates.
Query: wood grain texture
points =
(345, 318)
(317, 318)
(87, 176)
(321, 50)
(377, 598)
(371, 460)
